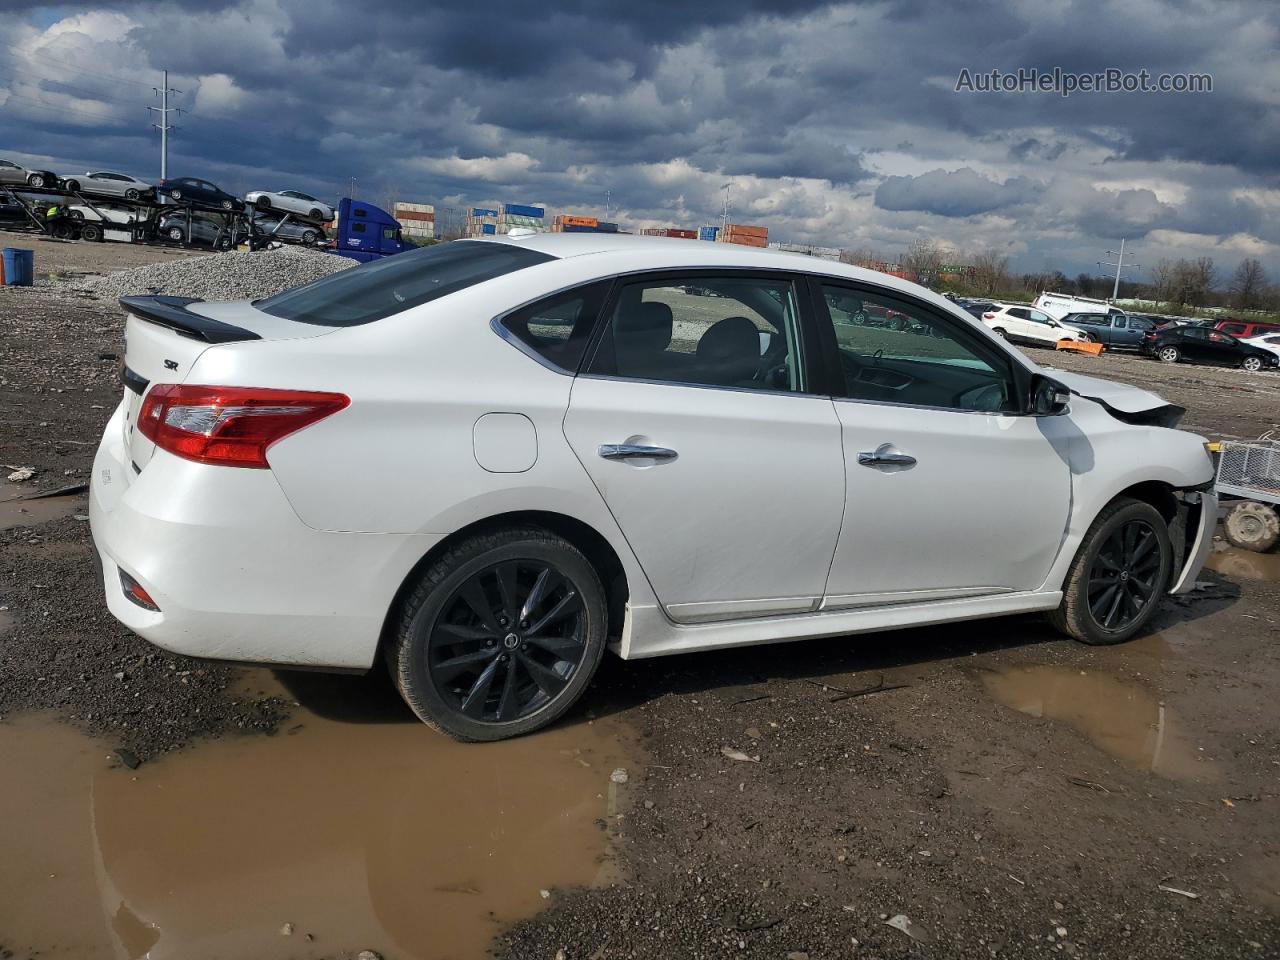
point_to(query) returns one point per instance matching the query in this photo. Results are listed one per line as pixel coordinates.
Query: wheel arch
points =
(593, 544)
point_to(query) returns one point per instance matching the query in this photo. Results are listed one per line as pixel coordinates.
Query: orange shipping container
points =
(749, 241)
(745, 230)
(415, 215)
(572, 221)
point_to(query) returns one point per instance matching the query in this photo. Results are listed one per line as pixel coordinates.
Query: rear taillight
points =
(230, 426)
(988, 316)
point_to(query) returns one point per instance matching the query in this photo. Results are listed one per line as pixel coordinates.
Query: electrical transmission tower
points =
(1119, 264)
(164, 126)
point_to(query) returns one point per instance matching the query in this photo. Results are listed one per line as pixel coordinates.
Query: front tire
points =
(35, 180)
(227, 205)
(72, 185)
(1169, 355)
(263, 203)
(1251, 364)
(132, 194)
(176, 234)
(500, 636)
(1117, 578)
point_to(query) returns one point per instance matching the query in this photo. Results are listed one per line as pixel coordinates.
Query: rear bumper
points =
(235, 573)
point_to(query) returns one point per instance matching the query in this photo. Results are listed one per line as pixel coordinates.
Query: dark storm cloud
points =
(662, 102)
(961, 193)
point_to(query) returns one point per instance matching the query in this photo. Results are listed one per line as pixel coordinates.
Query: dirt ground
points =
(1013, 794)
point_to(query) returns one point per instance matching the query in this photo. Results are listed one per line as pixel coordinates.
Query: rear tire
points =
(263, 203)
(227, 205)
(1000, 332)
(310, 237)
(91, 231)
(176, 234)
(488, 647)
(1169, 354)
(132, 194)
(72, 185)
(1114, 585)
(1250, 525)
(315, 214)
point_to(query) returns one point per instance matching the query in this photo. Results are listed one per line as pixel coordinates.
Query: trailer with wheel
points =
(1248, 481)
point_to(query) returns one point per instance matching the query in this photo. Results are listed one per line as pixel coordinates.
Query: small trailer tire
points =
(1250, 525)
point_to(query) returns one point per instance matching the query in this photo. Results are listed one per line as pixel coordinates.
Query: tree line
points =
(1176, 284)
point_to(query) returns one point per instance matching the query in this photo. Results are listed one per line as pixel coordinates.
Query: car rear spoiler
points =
(172, 312)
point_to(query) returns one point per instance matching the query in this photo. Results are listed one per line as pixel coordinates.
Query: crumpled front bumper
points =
(1197, 519)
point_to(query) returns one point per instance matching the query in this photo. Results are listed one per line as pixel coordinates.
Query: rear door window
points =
(394, 284)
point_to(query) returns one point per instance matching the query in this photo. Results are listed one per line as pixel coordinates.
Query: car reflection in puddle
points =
(1244, 564)
(1121, 718)
(334, 836)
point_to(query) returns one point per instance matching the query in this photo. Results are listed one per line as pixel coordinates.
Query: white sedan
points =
(1267, 341)
(290, 201)
(105, 183)
(1031, 326)
(487, 461)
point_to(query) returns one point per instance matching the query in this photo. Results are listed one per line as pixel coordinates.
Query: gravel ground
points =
(234, 275)
(889, 780)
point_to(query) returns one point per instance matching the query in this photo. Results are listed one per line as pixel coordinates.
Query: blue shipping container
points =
(708, 233)
(603, 227)
(488, 228)
(520, 210)
(483, 212)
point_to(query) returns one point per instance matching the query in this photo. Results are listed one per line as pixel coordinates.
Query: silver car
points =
(206, 230)
(11, 172)
(274, 228)
(290, 201)
(105, 183)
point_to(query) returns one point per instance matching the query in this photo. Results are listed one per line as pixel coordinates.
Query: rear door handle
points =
(885, 456)
(635, 451)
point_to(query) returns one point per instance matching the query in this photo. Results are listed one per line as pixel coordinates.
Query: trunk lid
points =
(164, 336)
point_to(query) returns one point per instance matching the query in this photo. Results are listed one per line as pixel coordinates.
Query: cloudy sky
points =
(836, 123)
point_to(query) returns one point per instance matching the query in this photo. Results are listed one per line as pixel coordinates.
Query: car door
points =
(1194, 344)
(1224, 349)
(951, 491)
(1018, 323)
(695, 419)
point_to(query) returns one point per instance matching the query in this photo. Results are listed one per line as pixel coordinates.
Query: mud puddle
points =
(30, 513)
(1123, 719)
(1244, 564)
(331, 836)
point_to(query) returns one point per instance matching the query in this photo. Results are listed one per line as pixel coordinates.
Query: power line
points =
(65, 109)
(36, 80)
(115, 78)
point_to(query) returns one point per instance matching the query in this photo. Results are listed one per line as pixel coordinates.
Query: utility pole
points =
(608, 199)
(724, 220)
(352, 194)
(164, 126)
(1119, 264)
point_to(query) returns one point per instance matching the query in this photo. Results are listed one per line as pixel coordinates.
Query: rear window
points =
(394, 284)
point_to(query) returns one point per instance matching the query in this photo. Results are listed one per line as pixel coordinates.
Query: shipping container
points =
(682, 233)
(523, 210)
(708, 233)
(569, 220)
(602, 227)
(416, 207)
(745, 230)
(488, 228)
(416, 215)
(483, 212)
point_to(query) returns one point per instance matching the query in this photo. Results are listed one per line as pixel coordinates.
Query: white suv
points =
(1029, 325)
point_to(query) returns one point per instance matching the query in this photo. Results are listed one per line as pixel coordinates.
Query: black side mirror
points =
(1049, 398)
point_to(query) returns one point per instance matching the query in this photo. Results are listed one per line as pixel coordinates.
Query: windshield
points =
(393, 284)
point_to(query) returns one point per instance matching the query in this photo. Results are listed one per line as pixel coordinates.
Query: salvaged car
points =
(488, 461)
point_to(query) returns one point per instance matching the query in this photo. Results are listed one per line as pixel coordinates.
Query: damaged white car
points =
(486, 462)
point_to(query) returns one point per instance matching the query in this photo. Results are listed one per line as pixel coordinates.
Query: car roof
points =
(659, 253)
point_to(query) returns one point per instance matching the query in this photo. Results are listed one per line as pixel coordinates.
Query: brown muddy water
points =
(1244, 564)
(331, 836)
(1121, 718)
(20, 512)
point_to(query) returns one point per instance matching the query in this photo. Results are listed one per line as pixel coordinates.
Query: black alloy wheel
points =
(1118, 576)
(132, 194)
(500, 635)
(508, 641)
(1122, 580)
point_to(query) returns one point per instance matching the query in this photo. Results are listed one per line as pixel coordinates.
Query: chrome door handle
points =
(885, 456)
(635, 451)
